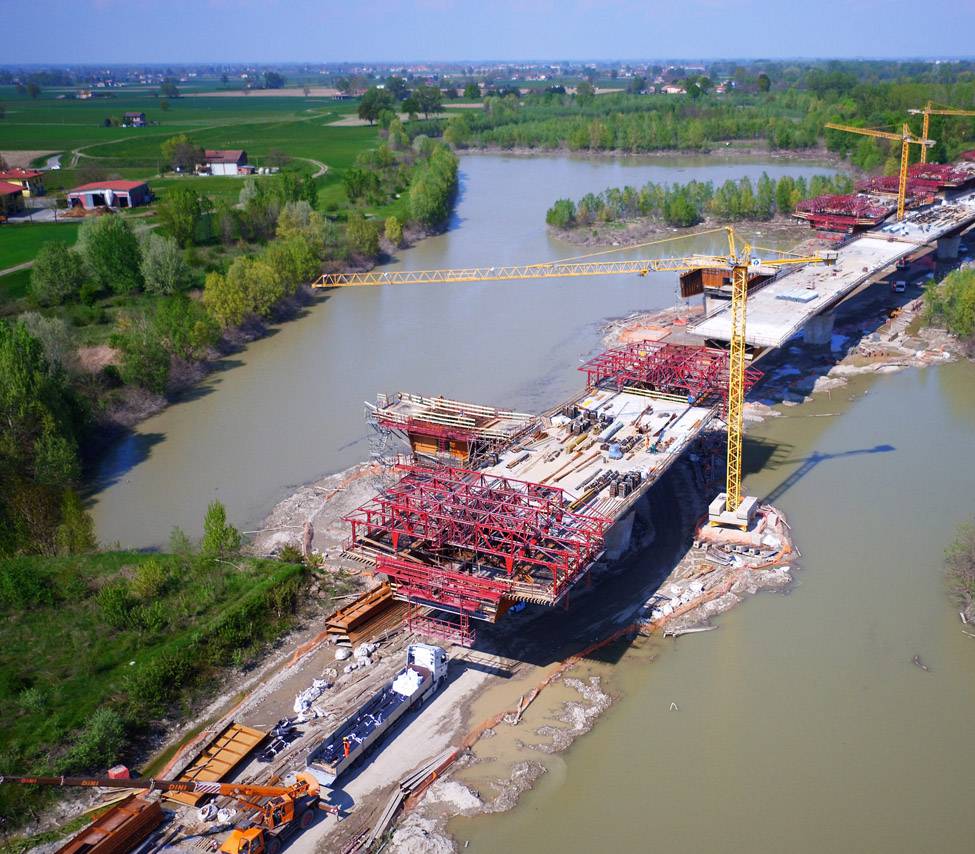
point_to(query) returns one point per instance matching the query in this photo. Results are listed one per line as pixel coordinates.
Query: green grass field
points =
(20, 243)
(300, 127)
(66, 645)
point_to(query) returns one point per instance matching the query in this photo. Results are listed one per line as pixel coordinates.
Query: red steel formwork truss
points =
(940, 175)
(508, 531)
(842, 213)
(699, 373)
(890, 185)
(460, 593)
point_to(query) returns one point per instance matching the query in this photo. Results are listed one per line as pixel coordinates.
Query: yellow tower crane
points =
(930, 110)
(737, 261)
(906, 139)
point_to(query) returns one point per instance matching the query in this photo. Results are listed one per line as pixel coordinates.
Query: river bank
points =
(130, 405)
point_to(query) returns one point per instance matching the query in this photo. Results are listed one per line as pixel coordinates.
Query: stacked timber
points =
(374, 612)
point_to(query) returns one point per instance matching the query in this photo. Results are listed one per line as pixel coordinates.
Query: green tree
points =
(99, 744)
(429, 99)
(373, 102)
(182, 212)
(225, 300)
(396, 86)
(951, 304)
(181, 153)
(362, 236)
(360, 183)
(220, 538)
(585, 93)
(33, 90)
(458, 131)
(183, 327)
(764, 83)
(57, 274)
(169, 89)
(393, 231)
(562, 214)
(784, 189)
(111, 253)
(164, 268)
(472, 92)
(293, 263)
(144, 360)
(76, 532)
(411, 106)
(38, 447)
(56, 339)
(273, 80)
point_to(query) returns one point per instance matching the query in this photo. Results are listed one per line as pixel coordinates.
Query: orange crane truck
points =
(279, 811)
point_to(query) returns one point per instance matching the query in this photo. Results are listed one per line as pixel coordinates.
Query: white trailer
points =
(425, 670)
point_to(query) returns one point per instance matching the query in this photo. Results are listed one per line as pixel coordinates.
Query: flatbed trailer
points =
(425, 670)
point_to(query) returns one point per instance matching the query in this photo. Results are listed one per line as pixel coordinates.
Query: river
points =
(289, 409)
(801, 724)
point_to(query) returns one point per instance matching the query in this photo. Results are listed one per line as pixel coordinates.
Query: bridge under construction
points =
(491, 508)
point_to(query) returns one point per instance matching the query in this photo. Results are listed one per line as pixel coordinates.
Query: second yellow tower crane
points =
(906, 138)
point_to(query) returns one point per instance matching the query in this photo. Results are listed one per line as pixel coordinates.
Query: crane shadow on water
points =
(807, 464)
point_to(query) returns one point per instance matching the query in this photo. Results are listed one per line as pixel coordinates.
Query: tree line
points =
(688, 204)
(786, 112)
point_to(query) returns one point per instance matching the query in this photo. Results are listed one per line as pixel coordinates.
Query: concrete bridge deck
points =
(784, 306)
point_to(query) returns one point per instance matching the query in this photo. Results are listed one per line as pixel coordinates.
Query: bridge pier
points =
(818, 330)
(619, 537)
(948, 248)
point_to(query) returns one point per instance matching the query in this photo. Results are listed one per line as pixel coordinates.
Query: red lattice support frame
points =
(512, 528)
(699, 373)
(457, 592)
(457, 631)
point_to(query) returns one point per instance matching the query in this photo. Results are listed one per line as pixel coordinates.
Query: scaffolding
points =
(461, 540)
(940, 176)
(452, 630)
(888, 185)
(699, 374)
(441, 428)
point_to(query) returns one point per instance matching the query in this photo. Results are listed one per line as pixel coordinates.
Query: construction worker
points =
(346, 747)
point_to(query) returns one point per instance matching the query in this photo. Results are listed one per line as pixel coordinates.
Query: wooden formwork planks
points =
(217, 760)
(363, 609)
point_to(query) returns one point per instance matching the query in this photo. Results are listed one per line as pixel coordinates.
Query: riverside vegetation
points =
(688, 204)
(101, 648)
(782, 108)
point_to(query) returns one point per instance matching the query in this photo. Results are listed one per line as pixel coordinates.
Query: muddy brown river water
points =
(290, 407)
(801, 724)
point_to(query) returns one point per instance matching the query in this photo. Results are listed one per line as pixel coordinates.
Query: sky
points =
(276, 31)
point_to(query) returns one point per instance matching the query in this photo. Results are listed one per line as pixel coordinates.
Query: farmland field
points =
(20, 243)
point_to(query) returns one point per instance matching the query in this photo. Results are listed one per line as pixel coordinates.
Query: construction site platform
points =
(653, 430)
